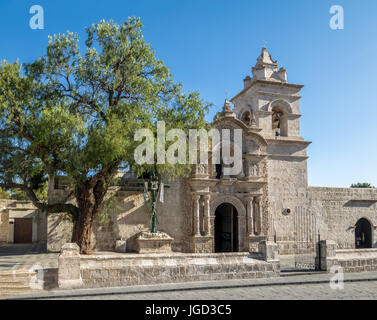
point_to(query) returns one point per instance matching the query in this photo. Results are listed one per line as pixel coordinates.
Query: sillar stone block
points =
(269, 250)
(69, 275)
(159, 242)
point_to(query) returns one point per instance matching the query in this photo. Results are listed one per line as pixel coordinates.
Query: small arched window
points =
(279, 122)
(246, 118)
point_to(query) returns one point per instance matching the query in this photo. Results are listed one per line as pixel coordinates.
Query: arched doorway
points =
(226, 228)
(363, 234)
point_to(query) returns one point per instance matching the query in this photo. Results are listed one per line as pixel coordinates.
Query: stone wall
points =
(126, 219)
(360, 260)
(350, 260)
(287, 181)
(119, 269)
(328, 213)
(333, 212)
(338, 210)
(59, 231)
(141, 269)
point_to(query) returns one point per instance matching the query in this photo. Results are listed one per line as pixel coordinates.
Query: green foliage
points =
(75, 110)
(362, 185)
(4, 194)
(17, 194)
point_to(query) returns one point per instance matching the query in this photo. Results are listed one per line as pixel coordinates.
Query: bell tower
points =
(270, 99)
(274, 105)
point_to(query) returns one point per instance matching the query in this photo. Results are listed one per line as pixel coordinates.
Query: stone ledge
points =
(177, 255)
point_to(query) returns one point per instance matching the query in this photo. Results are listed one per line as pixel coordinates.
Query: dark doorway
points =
(23, 230)
(219, 169)
(363, 234)
(226, 228)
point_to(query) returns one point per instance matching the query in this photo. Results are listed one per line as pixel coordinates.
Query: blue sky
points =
(210, 46)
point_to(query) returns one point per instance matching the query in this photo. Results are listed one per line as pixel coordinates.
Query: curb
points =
(124, 291)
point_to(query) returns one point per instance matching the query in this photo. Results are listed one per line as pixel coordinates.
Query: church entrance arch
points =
(226, 228)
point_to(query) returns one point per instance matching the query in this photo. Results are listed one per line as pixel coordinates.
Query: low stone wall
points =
(357, 260)
(351, 260)
(115, 269)
(134, 269)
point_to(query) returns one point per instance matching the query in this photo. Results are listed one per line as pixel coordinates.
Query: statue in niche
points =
(253, 169)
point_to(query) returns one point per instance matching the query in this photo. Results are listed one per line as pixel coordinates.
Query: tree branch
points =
(48, 208)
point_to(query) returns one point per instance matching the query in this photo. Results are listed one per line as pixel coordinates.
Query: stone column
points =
(250, 208)
(257, 217)
(196, 214)
(69, 275)
(247, 168)
(327, 257)
(207, 214)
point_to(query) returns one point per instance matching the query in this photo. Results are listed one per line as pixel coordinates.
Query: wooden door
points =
(23, 230)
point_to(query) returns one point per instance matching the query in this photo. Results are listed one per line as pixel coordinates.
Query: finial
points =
(264, 43)
(227, 106)
(227, 110)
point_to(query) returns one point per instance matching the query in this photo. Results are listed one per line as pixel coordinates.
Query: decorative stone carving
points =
(249, 210)
(253, 169)
(207, 214)
(202, 244)
(202, 169)
(227, 110)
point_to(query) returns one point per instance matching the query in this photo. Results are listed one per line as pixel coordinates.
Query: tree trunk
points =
(89, 200)
(82, 229)
(90, 196)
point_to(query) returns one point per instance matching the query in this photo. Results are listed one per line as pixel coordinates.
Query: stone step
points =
(15, 286)
(5, 275)
(24, 281)
(13, 282)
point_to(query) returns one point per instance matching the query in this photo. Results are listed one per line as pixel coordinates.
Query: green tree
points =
(362, 185)
(75, 113)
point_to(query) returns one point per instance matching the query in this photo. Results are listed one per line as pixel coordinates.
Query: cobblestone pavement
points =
(293, 287)
(361, 290)
(24, 256)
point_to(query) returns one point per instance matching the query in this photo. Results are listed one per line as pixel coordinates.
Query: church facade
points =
(268, 200)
